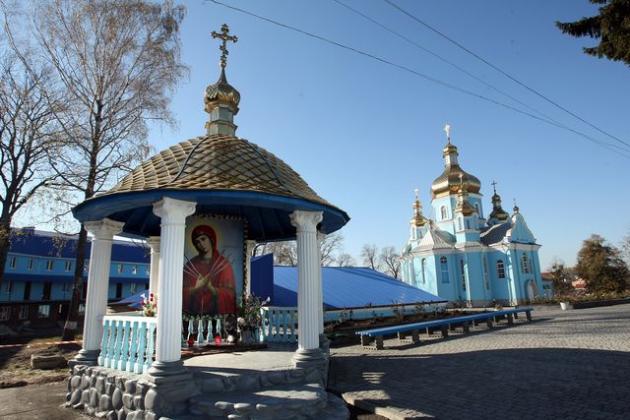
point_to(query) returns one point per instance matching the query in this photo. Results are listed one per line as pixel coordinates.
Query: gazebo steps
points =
(286, 402)
(250, 380)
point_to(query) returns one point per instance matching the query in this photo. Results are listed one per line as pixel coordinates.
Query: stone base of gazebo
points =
(257, 384)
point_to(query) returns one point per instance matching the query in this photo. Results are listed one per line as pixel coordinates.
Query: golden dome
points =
(418, 219)
(221, 93)
(217, 162)
(448, 182)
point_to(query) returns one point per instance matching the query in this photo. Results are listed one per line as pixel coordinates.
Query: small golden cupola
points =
(221, 99)
(463, 205)
(498, 215)
(418, 219)
(448, 182)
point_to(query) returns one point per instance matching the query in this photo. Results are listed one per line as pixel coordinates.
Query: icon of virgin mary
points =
(209, 286)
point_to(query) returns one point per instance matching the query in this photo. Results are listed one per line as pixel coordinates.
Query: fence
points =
(128, 343)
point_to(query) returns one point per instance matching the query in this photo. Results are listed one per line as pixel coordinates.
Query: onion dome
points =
(463, 205)
(497, 214)
(221, 93)
(448, 182)
(418, 219)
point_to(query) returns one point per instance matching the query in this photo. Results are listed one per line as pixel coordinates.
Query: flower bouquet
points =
(149, 304)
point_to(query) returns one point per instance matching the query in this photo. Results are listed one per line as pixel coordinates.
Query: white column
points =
(249, 248)
(308, 280)
(320, 295)
(103, 232)
(154, 275)
(173, 215)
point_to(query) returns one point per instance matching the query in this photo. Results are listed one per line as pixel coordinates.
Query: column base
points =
(161, 372)
(324, 343)
(305, 358)
(85, 358)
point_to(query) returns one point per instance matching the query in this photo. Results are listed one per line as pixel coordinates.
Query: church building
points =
(462, 256)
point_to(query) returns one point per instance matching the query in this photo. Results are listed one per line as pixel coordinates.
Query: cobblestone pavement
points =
(563, 365)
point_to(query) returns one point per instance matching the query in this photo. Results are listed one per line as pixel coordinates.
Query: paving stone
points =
(571, 364)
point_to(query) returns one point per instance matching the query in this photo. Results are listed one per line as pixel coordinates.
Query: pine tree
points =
(611, 26)
(601, 266)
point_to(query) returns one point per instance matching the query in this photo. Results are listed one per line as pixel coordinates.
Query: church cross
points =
(494, 186)
(447, 130)
(225, 37)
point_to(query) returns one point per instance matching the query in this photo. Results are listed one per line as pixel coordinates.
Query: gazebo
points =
(216, 195)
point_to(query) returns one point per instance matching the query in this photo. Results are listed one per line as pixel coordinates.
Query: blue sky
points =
(364, 134)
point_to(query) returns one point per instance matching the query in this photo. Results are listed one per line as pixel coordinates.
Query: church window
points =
(467, 224)
(443, 212)
(444, 269)
(424, 269)
(478, 211)
(49, 265)
(525, 267)
(462, 268)
(30, 264)
(500, 269)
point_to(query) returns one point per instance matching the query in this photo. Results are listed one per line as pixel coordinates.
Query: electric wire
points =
(503, 72)
(441, 58)
(611, 147)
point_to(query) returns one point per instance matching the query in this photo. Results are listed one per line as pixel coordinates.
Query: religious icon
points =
(210, 283)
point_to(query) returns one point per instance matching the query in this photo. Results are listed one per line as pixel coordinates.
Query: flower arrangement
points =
(149, 304)
(251, 317)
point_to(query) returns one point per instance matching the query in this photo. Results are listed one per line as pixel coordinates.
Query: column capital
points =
(171, 210)
(154, 243)
(104, 229)
(306, 221)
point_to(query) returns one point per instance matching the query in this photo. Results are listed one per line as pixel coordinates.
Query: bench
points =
(444, 325)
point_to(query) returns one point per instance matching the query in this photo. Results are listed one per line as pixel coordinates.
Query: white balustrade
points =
(279, 324)
(128, 343)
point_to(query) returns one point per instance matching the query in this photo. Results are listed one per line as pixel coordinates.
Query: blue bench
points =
(444, 325)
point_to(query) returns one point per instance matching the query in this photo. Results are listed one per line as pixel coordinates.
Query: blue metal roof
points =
(47, 244)
(350, 287)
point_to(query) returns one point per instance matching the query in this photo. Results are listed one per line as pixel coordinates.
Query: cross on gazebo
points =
(225, 37)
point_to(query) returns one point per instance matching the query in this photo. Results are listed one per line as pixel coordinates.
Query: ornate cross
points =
(225, 37)
(494, 186)
(447, 130)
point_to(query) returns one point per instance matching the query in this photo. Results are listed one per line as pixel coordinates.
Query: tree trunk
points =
(5, 243)
(70, 327)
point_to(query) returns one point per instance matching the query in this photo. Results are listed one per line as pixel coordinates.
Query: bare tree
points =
(345, 260)
(624, 246)
(28, 130)
(285, 252)
(119, 62)
(331, 244)
(391, 260)
(369, 253)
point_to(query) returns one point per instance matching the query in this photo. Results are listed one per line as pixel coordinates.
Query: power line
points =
(439, 57)
(422, 75)
(512, 78)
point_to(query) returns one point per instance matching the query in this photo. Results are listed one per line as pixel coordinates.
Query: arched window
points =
(478, 211)
(443, 212)
(525, 264)
(444, 269)
(462, 268)
(424, 269)
(500, 269)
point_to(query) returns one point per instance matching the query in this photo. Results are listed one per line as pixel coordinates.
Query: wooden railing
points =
(128, 343)
(279, 324)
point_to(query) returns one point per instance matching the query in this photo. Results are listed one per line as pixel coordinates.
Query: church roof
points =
(435, 239)
(495, 234)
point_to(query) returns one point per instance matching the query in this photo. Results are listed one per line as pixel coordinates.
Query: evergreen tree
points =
(601, 266)
(611, 26)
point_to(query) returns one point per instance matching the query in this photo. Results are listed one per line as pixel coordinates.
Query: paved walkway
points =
(37, 402)
(573, 364)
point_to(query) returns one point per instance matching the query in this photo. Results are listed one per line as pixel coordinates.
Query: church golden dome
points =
(448, 182)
